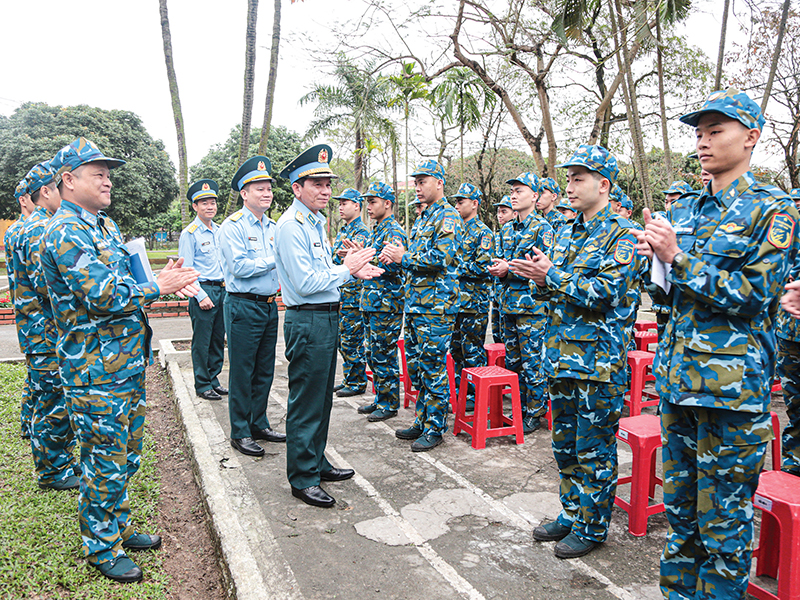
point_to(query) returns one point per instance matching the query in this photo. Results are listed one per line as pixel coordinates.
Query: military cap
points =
(469, 191)
(256, 168)
(430, 167)
(794, 193)
(39, 176)
(564, 205)
(527, 178)
(350, 194)
(594, 158)
(616, 193)
(78, 153)
(678, 187)
(626, 202)
(378, 189)
(21, 189)
(312, 163)
(505, 201)
(732, 103)
(202, 189)
(550, 184)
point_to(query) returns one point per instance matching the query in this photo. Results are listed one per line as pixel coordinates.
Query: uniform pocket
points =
(118, 343)
(578, 351)
(715, 369)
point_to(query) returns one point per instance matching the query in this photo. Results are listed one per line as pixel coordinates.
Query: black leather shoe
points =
(210, 395)
(347, 392)
(336, 474)
(247, 446)
(121, 569)
(367, 409)
(412, 433)
(142, 541)
(573, 546)
(336, 388)
(551, 532)
(222, 391)
(314, 495)
(268, 435)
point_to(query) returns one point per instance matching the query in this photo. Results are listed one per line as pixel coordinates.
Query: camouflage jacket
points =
(497, 283)
(384, 293)
(355, 231)
(9, 240)
(518, 238)
(789, 327)
(474, 281)
(103, 334)
(594, 268)
(556, 220)
(718, 348)
(35, 325)
(431, 261)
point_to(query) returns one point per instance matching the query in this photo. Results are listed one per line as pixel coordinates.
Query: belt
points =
(329, 307)
(254, 297)
(214, 283)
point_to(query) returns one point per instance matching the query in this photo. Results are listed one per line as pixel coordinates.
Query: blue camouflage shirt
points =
(518, 238)
(355, 231)
(9, 240)
(198, 248)
(474, 281)
(384, 293)
(556, 220)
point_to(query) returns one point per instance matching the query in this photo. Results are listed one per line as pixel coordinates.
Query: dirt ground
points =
(188, 552)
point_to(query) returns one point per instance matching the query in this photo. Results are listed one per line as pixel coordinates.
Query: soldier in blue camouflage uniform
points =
(505, 213)
(474, 283)
(524, 318)
(431, 266)
(566, 210)
(9, 240)
(730, 252)
(547, 203)
(621, 203)
(103, 348)
(587, 279)
(351, 321)
(52, 439)
(382, 306)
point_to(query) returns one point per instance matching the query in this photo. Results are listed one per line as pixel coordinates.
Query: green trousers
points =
(208, 339)
(311, 342)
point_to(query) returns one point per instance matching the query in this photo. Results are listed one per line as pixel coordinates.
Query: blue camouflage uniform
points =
(715, 366)
(554, 217)
(103, 349)
(351, 321)
(52, 438)
(382, 304)
(524, 317)
(497, 283)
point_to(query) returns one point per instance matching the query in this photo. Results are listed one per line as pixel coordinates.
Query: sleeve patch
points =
(781, 231)
(487, 241)
(547, 238)
(623, 253)
(448, 225)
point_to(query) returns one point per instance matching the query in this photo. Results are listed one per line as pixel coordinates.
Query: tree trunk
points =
(247, 100)
(547, 120)
(603, 113)
(662, 104)
(273, 75)
(183, 170)
(774, 67)
(358, 159)
(721, 52)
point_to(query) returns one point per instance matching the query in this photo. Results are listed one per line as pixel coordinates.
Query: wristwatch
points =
(677, 258)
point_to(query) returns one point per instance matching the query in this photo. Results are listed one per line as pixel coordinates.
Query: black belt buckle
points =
(326, 306)
(214, 283)
(254, 297)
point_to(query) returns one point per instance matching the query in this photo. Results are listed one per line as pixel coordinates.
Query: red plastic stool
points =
(643, 434)
(645, 325)
(778, 552)
(645, 338)
(641, 364)
(489, 383)
(409, 393)
(776, 442)
(495, 354)
(451, 382)
(776, 385)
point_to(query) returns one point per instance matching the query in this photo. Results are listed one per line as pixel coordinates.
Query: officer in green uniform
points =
(247, 253)
(198, 248)
(310, 288)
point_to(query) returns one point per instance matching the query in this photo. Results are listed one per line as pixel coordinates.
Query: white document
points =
(140, 265)
(660, 269)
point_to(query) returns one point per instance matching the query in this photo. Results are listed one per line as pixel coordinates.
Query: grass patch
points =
(162, 253)
(40, 543)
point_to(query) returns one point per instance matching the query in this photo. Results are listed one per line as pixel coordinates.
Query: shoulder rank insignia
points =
(732, 228)
(547, 238)
(298, 216)
(623, 253)
(487, 241)
(192, 228)
(781, 231)
(236, 216)
(448, 225)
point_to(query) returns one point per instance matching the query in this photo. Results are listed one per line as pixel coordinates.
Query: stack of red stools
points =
(645, 333)
(489, 384)
(641, 364)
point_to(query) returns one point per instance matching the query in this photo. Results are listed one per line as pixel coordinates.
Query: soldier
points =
(587, 280)
(382, 305)
(52, 439)
(351, 321)
(731, 249)
(524, 318)
(103, 349)
(675, 191)
(547, 203)
(9, 240)
(565, 208)
(505, 213)
(310, 287)
(474, 284)
(431, 266)
(198, 248)
(247, 253)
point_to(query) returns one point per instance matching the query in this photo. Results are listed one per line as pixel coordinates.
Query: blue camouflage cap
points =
(350, 194)
(678, 187)
(312, 163)
(616, 193)
(39, 176)
(594, 158)
(794, 193)
(378, 189)
(21, 189)
(78, 153)
(432, 168)
(505, 201)
(202, 189)
(732, 103)
(469, 191)
(564, 205)
(550, 184)
(626, 202)
(527, 178)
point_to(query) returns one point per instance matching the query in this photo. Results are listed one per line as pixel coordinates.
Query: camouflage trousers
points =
(789, 372)
(26, 408)
(351, 347)
(383, 331)
(427, 344)
(466, 346)
(712, 459)
(110, 427)
(497, 324)
(585, 420)
(52, 439)
(524, 336)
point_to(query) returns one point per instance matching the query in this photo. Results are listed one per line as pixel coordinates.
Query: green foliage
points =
(143, 188)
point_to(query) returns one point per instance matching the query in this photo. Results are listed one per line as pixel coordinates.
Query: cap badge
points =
(323, 156)
(206, 187)
(262, 166)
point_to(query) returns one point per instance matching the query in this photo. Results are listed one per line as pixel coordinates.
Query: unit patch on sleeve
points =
(781, 231)
(623, 253)
(547, 238)
(448, 225)
(486, 241)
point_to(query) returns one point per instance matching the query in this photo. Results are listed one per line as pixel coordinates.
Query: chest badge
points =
(732, 228)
